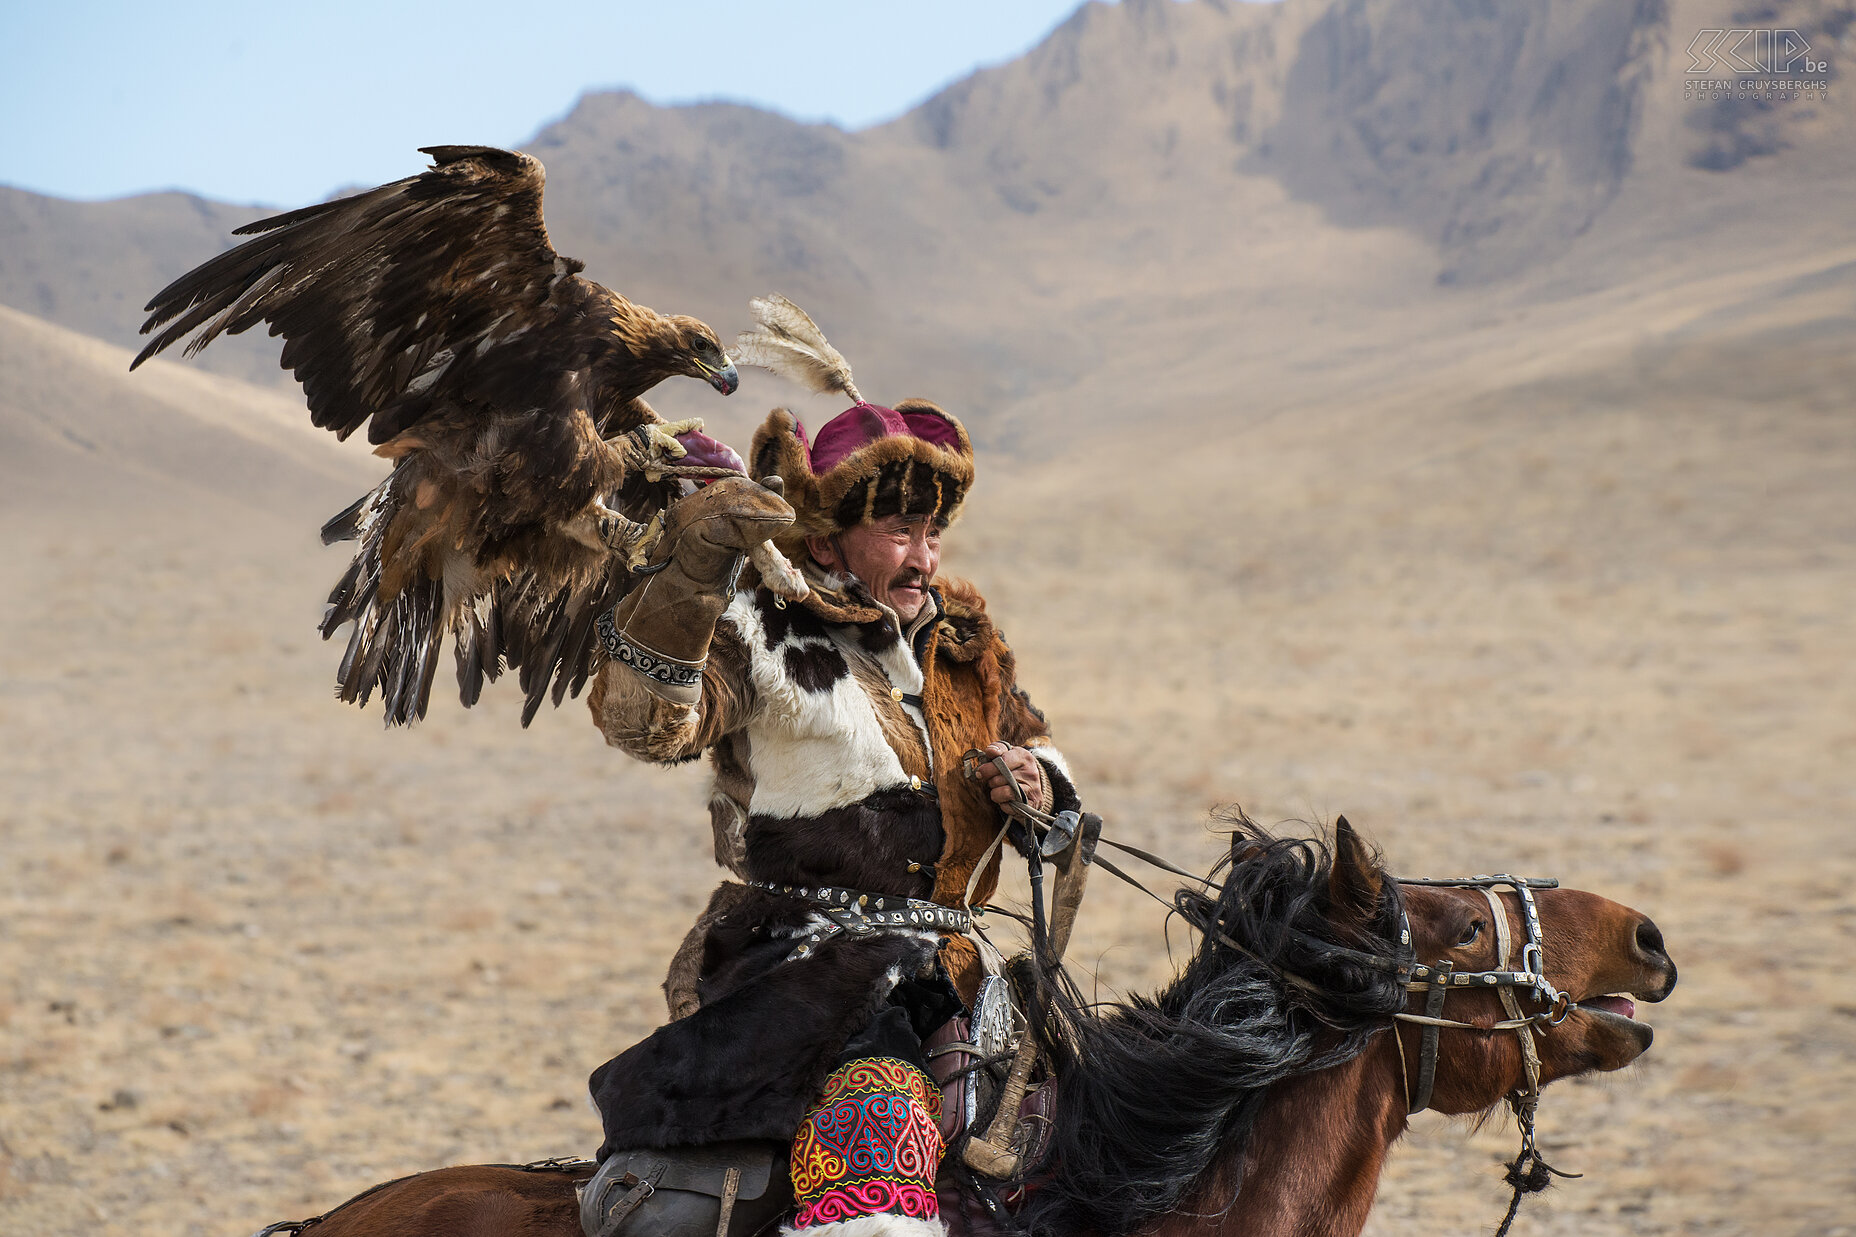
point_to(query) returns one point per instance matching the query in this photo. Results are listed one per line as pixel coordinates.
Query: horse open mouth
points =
(1614, 1018)
(1616, 1006)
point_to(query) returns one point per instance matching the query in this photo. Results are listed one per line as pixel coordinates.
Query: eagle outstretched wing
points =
(386, 300)
(505, 387)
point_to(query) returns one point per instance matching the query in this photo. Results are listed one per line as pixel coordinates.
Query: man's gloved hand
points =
(1026, 771)
(742, 516)
(732, 515)
(663, 627)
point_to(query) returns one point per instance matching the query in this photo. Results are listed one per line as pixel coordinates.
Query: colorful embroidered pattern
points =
(870, 1145)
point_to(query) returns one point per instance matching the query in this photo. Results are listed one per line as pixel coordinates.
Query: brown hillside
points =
(81, 436)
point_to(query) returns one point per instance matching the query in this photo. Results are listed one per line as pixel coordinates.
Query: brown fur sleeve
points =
(645, 725)
(1021, 723)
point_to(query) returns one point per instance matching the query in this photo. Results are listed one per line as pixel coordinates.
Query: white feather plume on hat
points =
(786, 341)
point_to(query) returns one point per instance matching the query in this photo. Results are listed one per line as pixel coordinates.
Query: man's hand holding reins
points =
(1026, 771)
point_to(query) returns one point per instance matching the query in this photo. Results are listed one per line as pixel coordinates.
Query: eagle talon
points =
(623, 536)
(655, 444)
(636, 541)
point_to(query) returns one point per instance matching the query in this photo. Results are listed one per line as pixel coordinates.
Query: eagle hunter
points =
(506, 390)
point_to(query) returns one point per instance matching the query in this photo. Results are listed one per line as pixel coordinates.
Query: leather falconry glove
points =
(662, 628)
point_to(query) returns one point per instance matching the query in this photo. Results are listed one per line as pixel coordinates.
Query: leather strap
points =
(1530, 1056)
(992, 847)
(1427, 1052)
(641, 1189)
(959, 1045)
(731, 1189)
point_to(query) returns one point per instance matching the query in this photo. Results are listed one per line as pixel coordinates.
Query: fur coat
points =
(835, 736)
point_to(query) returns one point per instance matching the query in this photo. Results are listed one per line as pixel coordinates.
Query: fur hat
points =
(866, 463)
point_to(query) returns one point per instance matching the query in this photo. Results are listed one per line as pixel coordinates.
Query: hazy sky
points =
(282, 103)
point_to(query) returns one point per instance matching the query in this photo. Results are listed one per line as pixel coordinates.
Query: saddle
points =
(971, 1058)
(730, 1189)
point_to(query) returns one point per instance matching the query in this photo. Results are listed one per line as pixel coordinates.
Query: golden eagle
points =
(505, 388)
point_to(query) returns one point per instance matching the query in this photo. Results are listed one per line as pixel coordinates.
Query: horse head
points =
(1260, 1091)
(1601, 955)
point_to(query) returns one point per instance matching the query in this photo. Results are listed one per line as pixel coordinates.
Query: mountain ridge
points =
(1152, 180)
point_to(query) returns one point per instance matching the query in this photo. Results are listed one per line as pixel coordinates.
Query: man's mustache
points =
(909, 578)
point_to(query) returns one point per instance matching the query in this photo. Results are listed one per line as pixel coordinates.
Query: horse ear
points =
(1355, 881)
(1245, 850)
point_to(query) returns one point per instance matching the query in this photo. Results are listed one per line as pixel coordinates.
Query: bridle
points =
(1527, 1172)
(1437, 979)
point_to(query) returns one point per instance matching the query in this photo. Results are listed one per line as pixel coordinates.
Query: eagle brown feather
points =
(435, 311)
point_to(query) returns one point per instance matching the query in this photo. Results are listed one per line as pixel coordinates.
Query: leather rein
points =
(1050, 834)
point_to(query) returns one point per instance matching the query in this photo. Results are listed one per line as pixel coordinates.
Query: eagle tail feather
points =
(394, 644)
(345, 681)
(578, 632)
(428, 647)
(470, 673)
(367, 672)
(538, 670)
(477, 651)
(347, 524)
(416, 628)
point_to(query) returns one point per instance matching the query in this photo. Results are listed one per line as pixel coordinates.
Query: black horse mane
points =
(1154, 1091)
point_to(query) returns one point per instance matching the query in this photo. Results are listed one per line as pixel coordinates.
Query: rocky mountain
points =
(91, 266)
(1148, 181)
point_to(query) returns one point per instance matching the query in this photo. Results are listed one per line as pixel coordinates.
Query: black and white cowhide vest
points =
(832, 766)
(835, 737)
(847, 758)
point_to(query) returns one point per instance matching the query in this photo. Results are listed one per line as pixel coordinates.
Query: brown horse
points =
(1260, 1092)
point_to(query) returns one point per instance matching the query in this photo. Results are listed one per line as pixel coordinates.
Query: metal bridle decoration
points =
(1527, 1172)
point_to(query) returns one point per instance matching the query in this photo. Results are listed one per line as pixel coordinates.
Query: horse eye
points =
(1470, 934)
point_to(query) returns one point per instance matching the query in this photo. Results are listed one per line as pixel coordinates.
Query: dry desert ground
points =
(1587, 619)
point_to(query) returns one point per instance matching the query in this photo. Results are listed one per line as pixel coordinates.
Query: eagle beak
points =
(724, 379)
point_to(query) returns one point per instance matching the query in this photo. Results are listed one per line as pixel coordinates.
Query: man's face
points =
(896, 558)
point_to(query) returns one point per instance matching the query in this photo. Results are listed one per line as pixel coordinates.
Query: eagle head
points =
(695, 351)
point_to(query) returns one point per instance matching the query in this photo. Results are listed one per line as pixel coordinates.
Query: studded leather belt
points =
(866, 914)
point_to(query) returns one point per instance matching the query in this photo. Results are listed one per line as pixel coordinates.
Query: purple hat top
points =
(862, 424)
